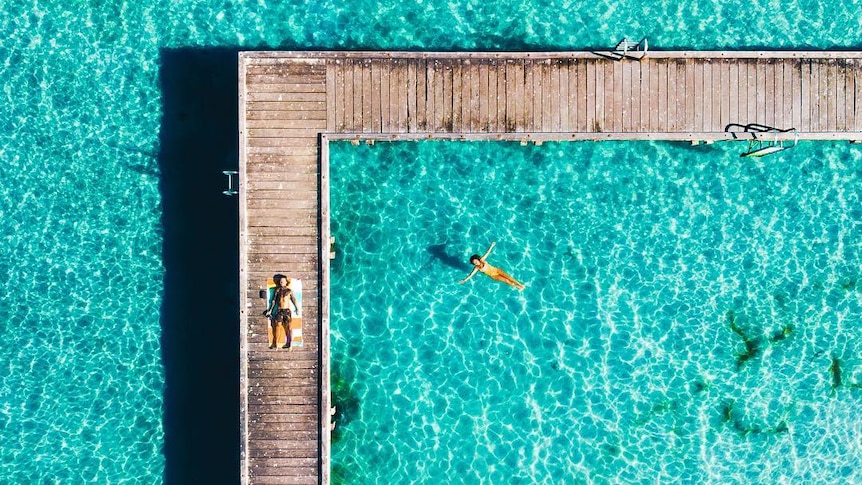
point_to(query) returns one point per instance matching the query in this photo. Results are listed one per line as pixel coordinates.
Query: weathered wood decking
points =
(292, 103)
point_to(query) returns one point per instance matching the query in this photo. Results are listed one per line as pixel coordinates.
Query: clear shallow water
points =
(648, 267)
(81, 161)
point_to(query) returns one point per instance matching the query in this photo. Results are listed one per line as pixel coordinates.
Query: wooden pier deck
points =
(293, 103)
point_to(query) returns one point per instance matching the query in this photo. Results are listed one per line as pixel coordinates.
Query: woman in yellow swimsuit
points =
(479, 264)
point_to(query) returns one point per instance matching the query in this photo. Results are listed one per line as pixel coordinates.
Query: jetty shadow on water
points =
(199, 314)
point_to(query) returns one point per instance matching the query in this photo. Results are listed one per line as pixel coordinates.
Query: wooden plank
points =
(330, 94)
(279, 462)
(287, 124)
(849, 95)
(301, 144)
(778, 68)
(646, 95)
(823, 95)
(790, 100)
(299, 85)
(804, 95)
(505, 98)
(466, 95)
(691, 92)
(856, 96)
(457, 124)
(349, 98)
(554, 94)
(547, 97)
(565, 124)
(769, 93)
(612, 94)
(472, 119)
(532, 116)
(438, 103)
(733, 94)
(637, 96)
(814, 96)
(282, 470)
(677, 69)
(280, 88)
(742, 93)
(386, 114)
(493, 85)
(285, 68)
(653, 123)
(422, 114)
(286, 97)
(288, 106)
(670, 95)
(591, 95)
(398, 96)
(446, 100)
(697, 95)
(502, 84)
(746, 93)
(412, 118)
(840, 95)
(625, 114)
(617, 88)
(538, 95)
(268, 450)
(265, 477)
(518, 114)
(723, 92)
(473, 109)
(820, 95)
(355, 99)
(831, 95)
(601, 97)
(666, 73)
(574, 79)
(368, 97)
(287, 446)
(795, 97)
(292, 136)
(404, 96)
(752, 89)
(484, 120)
(782, 114)
(708, 95)
(285, 115)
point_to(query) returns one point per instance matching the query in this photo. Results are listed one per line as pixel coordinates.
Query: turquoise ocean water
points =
(610, 364)
(683, 311)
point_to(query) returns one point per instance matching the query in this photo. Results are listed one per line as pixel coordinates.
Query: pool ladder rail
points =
(759, 145)
(230, 185)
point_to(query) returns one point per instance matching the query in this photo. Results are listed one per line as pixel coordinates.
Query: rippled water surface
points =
(689, 316)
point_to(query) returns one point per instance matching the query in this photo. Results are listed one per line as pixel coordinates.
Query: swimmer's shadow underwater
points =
(439, 252)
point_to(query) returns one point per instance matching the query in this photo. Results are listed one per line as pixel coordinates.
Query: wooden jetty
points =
(293, 103)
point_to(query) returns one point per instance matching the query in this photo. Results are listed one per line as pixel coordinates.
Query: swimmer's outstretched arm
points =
(488, 252)
(472, 273)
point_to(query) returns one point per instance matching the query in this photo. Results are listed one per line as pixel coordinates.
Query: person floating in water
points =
(281, 302)
(480, 264)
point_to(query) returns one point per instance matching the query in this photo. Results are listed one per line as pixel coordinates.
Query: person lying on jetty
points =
(480, 264)
(281, 305)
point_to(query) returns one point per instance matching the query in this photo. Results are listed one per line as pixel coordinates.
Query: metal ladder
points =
(623, 47)
(759, 146)
(230, 187)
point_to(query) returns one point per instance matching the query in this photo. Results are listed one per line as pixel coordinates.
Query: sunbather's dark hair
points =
(475, 256)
